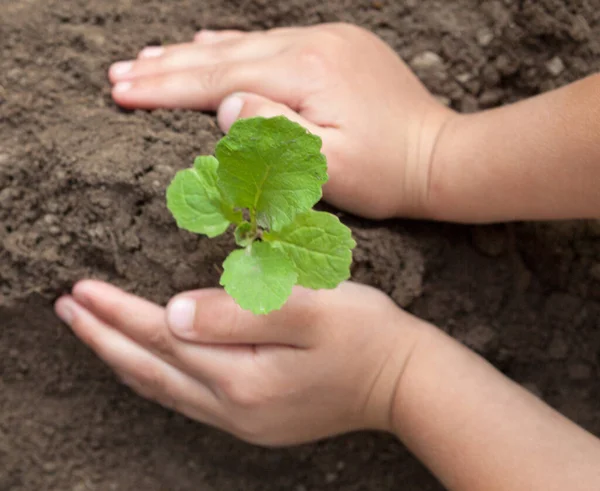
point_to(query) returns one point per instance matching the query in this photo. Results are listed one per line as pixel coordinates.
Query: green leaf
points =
(273, 167)
(259, 278)
(197, 203)
(320, 247)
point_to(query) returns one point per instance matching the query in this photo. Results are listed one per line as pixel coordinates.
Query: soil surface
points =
(81, 194)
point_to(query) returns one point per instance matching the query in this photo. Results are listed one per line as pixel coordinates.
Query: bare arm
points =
(537, 159)
(477, 430)
(392, 149)
(294, 376)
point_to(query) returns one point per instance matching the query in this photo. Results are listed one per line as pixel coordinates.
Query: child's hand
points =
(378, 123)
(329, 362)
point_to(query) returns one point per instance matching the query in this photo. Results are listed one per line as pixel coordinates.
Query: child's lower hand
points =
(378, 123)
(334, 361)
(329, 362)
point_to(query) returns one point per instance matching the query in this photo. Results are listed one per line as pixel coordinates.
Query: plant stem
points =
(253, 223)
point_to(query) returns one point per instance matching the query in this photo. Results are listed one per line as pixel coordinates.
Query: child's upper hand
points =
(378, 123)
(327, 363)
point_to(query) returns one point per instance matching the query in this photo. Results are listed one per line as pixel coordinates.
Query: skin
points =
(393, 151)
(543, 153)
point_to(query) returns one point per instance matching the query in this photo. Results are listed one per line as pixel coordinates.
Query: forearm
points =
(476, 429)
(537, 159)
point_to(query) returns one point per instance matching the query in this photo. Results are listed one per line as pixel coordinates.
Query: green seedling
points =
(265, 178)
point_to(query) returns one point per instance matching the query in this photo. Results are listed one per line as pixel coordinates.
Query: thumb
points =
(211, 316)
(245, 105)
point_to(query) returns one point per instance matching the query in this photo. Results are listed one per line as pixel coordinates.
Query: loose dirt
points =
(82, 194)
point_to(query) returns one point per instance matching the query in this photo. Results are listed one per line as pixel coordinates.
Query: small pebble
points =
(463, 78)
(490, 75)
(480, 338)
(50, 219)
(446, 101)
(484, 36)
(491, 97)
(555, 66)
(473, 86)
(164, 169)
(469, 104)
(101, 201)
(331, 477)
(64, 240)
(427, 60)
(506, 65)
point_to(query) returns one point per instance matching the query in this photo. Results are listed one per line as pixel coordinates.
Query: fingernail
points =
(122, 87)
(180, 316)
(152, 52)
(229, 111)
(64, 310)
(121, 68)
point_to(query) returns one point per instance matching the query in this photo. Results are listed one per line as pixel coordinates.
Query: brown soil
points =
(81, 194)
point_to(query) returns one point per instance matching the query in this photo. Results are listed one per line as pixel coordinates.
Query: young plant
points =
(265, 180)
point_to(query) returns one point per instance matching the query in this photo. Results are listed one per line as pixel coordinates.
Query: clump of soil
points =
(82, 194)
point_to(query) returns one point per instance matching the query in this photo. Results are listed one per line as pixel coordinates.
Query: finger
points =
(212, 316)
(153, 377)
(145, 324)
(209, 36)
(245, 105)
(155, 60)
(204, 88)
(138, 319)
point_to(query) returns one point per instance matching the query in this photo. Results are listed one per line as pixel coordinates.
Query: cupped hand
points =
(329, 362)
(379, 125)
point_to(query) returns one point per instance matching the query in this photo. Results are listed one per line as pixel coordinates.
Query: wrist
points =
(428, 146)
(428, 352)
(444, 171)
(407, 332)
